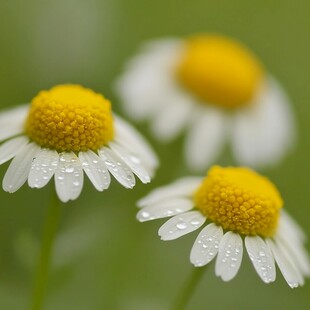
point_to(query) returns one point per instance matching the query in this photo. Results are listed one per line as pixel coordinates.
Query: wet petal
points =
(134, 142)
(206, 245)
(117, 168)
(261, 258)
(19, 168)
(43, 168)
(165, 208)
(289, 273)
(229, 257)
(181, 225)
(297, 252)
(68, 177)
(95, 169)
(132, 161)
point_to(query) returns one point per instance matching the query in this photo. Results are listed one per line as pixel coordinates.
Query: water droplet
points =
(181, 225)
(145, 214)
(195, 222)
(69, 169)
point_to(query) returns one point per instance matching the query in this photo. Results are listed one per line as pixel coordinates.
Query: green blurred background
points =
(104, 258)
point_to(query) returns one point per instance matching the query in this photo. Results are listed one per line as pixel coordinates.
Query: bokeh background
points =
(104, 258)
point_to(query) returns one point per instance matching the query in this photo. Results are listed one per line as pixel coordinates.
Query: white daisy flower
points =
(65, 131)
(242, 208)
(216, 89)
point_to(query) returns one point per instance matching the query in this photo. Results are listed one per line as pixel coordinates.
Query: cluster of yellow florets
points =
(219, 71)
(70, 118)
(239, 200)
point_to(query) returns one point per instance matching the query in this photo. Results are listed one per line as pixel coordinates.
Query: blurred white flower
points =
(65, 131)
(216, 89)
(243, 208)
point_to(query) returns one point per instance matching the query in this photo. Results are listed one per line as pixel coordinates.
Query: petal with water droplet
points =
(297, 252)
(43, 168)
(10, 148)
(117, 168)
(261, 258)
(206, 245)
(132, 161)
(165, 208)
(284, 265)
(95, 169)
(68, 177)
(132, 140)
(181, 225)
(19, 168)
(229, 257)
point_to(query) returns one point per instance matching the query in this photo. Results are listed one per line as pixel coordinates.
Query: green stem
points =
(49, 233)
(188, 290)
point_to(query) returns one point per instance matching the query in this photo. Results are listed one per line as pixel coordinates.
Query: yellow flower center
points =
(240, 200)
(219, 71)
(70, 118)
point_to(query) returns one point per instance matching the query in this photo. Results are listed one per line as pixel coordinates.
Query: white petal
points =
(172, 118)
(117, 168)
(206, 245)
(68, 177)
(12, 121)
(15, 114)
(95, 169)
(132, 161)
(181, 225)
(205, 138)
(19, 168)
(261, 258)
(287, 269)
(229, 257)
(165, 208)
(9, 132)
(184, 187)
(43, 168)
(147, 80)
(10, 148)
(291, 227)
(133, 141)
(265, 130)
(296, 252)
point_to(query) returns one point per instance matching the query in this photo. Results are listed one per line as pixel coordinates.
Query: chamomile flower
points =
(67, 130)
(243, 209)
(216, 89)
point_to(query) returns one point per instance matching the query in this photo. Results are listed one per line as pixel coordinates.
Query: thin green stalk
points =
(188, 289)
(43, 264)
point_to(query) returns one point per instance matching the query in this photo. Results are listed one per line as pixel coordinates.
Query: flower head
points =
(67, 130)
(218, 90)
(242, 207)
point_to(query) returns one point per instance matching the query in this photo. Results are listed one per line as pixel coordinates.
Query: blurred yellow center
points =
(240, 200)
(70, 118)
(219, 71)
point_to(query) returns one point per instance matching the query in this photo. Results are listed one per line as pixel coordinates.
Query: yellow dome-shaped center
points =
(240, 200)
(70, 118)
(219, 71)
